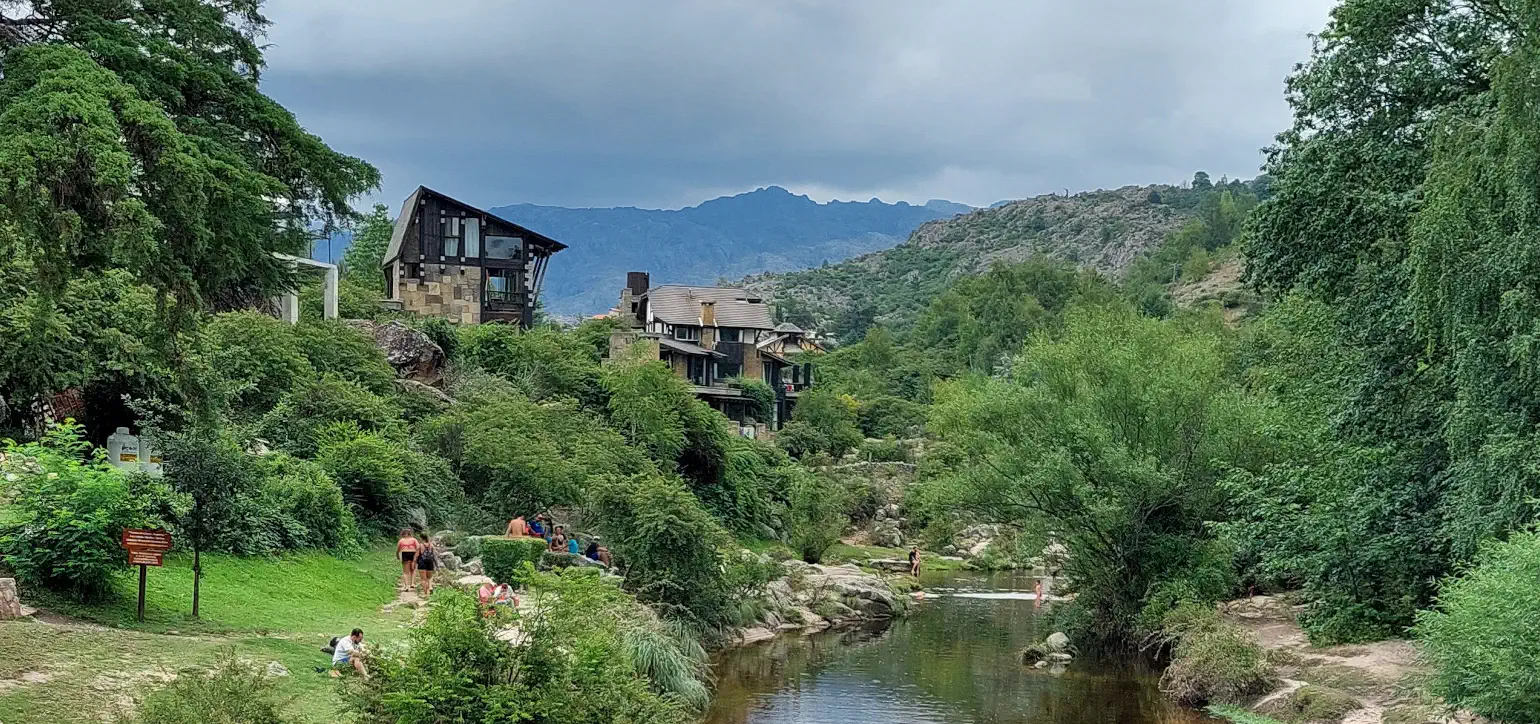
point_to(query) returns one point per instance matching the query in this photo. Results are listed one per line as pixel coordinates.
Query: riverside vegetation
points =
(1362, 437)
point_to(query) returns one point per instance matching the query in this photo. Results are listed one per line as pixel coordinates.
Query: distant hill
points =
(767, 230)
(1104, 230)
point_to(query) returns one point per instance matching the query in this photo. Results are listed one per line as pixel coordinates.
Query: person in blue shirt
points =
(572, 545)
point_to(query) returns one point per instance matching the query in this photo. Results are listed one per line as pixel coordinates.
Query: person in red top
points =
(406, 548)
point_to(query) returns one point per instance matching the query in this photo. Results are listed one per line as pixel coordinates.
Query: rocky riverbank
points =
(810, 598)
(1366, 683)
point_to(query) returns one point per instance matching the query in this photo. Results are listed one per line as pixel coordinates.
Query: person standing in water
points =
(406, 549)
(914, 561)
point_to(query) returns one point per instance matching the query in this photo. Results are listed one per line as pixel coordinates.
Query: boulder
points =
(276, 669)
(1056, 642)
(10, 601)
(473, 567)
(473, 582)
(894, 565)
(413, 354)
(449, 561)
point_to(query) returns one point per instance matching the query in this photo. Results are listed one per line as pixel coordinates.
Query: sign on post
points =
(145, 548)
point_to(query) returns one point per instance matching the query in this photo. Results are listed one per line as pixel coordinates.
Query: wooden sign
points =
(152, 541)
(144, 558)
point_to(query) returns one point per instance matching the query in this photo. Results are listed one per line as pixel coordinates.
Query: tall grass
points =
(670, 656)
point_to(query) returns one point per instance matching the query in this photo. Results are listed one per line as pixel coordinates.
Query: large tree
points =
(134, 135)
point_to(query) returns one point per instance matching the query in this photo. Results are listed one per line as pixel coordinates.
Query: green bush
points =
(1213, 661)
(334, 348)
(1481, 639)
(822, 421)
(441, 332)
(760, 395)
(369, 471)
(1310, 704)
(544, 363)
(816, 513)
(295, 425)
(888, 415)
(237, 691)
(307, 507)
(886, 450)
(667, 543)
(256, 359)
(66, 515)
(589, 656)
(503, 558)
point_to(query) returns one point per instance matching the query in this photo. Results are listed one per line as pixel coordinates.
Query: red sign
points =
(144, 558)
(150, 541)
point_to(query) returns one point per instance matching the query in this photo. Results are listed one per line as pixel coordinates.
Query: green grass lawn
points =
(843, 553)
(297, 593)
(265, 609)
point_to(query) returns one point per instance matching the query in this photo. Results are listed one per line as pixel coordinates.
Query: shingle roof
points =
(687, 348)
(789, 328)
(404, 220)
(677, 304)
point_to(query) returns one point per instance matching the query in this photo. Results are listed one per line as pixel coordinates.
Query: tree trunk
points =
(197, 575)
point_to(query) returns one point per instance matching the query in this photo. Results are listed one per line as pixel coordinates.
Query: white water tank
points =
(123, 450)
(149, 456)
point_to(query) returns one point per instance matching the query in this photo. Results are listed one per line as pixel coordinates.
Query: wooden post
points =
(142, 569)
(197, 575)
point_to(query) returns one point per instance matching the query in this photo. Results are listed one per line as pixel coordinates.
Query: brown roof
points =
(677, 304)
(693, 350)
(404, 220)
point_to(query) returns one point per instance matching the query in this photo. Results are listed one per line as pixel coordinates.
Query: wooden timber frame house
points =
(711, 336)
(452, 260)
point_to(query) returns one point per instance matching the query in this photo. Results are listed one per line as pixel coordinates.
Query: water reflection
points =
(952, 660)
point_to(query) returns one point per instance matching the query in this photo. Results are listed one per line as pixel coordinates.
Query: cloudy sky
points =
(664, 103)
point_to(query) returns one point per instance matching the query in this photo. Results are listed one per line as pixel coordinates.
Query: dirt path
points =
(1383, 677)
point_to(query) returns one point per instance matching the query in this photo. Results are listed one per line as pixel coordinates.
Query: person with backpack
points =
(427, 563)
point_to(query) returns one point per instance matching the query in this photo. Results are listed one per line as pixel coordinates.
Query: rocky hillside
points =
(1103, 230)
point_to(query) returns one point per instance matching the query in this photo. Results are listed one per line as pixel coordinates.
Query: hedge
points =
(503, 558)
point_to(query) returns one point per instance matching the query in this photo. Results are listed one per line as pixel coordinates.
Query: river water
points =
(952, 660)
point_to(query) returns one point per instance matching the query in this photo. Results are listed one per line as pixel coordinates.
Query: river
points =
(952, 660)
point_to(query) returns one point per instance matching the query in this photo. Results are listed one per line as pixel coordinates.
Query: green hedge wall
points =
(503, 558)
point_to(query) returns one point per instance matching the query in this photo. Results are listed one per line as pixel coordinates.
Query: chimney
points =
(708, 314)
(638, 282)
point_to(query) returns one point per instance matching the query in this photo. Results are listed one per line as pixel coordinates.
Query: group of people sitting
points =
(556, 538)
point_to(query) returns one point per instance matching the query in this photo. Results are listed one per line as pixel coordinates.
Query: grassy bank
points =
(94, 660)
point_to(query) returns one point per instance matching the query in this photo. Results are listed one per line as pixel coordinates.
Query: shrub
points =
(441, 332)
(886, 450)
(1310, 703)
(667, 543)
(237, 691)
(822, 421)
(817, 515)
(582, 657)
(503, 558)
(543, 362)
(371, 477)
(1213, 661)
(334, 348)
(256, 359)
(66, 515)
(889, 415)
(294, 426)
(1481, 639)
(432, 486)
(306, 505)
(760, 396)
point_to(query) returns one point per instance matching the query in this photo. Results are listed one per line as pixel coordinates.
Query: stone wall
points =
(453, 294)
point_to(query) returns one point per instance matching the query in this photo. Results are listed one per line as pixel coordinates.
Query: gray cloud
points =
(668, 102)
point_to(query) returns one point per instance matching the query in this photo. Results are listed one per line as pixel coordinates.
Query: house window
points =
(502, 286)
(687, 334)
(504, 247)
(729, 334)
(413, 271)
(473, 238)
(697, 369)
(453, 228)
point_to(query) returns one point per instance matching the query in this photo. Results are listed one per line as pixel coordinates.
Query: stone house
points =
(712, 337)
(452, 260)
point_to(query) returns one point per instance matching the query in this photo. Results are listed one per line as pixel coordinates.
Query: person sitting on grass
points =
(572, 545)
(349, 652)
(406, 548)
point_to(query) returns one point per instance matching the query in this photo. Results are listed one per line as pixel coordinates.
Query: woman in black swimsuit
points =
(427, 563)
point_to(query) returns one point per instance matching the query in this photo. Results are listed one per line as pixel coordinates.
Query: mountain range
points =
(765, 230)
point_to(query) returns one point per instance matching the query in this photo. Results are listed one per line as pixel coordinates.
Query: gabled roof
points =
(789, 328)
(679, 304)
(694, 350)
(404, 220)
